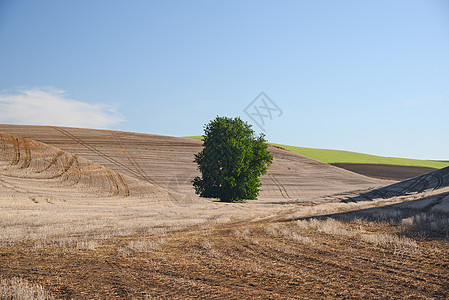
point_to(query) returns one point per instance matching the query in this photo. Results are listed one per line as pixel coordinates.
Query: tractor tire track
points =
(126, 192)
(440, 181)
(132, 159)
(52, 162)
(27, 160)
(72, 161)
(425, 184)
(101, 154)
(421, 185)
(414, 186)
(76, 173)
(9, 186)
(13, 187)
(114, 184)
(281, 188)
(277, 185)
(15, 143)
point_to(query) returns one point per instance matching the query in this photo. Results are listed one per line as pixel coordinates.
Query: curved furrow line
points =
(93, 149)
(413, 187)
(440, 181)
(358, 264)
(405, 265)
(280, 187)
(13, 187)
(132, 159)
(27, 161)
(119, 269)
(72, 160)
(15, 143)
(405, 190)
(114, 184)
(380, 194)
(425, 184)
(401, 264)
(445, 175)
(52, 162)
(8, 185)
(98, 152)
(124, 184)
(419, 184)
(307, 265)
(76, 173)
(283, 187)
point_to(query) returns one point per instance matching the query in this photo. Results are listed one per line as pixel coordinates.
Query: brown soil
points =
(168, 162)
(23, 159)
(217, 262)
(112, 216)
(391, 172)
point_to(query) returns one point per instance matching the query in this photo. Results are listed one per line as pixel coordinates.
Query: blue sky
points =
(366, 76)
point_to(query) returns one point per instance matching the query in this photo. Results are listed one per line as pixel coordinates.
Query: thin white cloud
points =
(40, 106)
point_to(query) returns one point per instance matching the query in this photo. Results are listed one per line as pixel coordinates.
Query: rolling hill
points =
(338, 156)
(104, 214)
(329, 156)
(33, 169)
(390, 168)
(168, 162)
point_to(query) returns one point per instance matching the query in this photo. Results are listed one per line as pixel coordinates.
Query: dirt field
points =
(244, 259)
(112, 216)
(168, 162)
(389, 172)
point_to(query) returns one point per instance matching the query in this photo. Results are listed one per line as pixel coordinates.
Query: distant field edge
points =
(389, 172)
(348, 157)
(193, 137)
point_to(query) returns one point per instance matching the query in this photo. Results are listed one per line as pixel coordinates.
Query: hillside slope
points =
(330, 156)
(65, 227)
(434, 184)
(339, 156)
(32, 168)
(168, 162)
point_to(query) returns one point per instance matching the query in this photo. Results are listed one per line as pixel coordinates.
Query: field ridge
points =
(330, 156)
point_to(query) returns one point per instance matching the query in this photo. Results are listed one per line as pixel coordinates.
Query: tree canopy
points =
(232, 160)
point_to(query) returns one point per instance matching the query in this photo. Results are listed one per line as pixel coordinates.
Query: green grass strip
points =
(194, 137)
(339, 156)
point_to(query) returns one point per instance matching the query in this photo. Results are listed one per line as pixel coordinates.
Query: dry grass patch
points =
(400, 245)
(284, 232)
(146, 246)
(357, 230)
(328, 226)
(246, 235)
(68, 244)
(19, 289)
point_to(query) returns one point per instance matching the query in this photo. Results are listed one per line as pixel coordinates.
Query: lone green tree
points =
(232, 160)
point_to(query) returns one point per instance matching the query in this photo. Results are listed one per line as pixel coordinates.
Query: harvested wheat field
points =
(97, 214)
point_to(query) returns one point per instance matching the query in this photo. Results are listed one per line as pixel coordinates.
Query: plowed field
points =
(95, 214)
